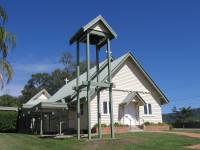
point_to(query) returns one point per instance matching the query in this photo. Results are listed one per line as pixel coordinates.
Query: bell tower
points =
(98, 33)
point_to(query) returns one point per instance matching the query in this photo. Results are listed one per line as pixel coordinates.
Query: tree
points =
(70, 65)
(37, 82)
(182, 115)
(54, 81)
(51, 82)
(67, 60)
(7, 42)
(8, 100)
(58, 80)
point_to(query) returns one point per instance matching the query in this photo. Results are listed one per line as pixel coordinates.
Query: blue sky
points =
(163, 35)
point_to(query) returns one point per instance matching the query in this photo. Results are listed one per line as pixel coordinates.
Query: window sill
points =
(105, 114)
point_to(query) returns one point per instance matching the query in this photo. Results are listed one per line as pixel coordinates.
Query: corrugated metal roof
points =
(67, 90)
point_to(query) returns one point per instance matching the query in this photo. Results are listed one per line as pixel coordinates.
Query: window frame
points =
(107, 107)
(148, 109)
(145, 109)
(82, 109)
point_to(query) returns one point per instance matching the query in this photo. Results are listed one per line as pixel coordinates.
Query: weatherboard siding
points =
(128, 77)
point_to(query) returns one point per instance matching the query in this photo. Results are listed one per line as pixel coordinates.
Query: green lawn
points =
(130, 141)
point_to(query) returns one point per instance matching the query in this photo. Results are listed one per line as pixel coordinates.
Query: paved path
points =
(193, 135)
(197, 146)
(189, 134)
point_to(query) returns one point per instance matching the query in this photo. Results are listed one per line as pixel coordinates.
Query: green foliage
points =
(102, 125)
(117, 124)
(155, 124)
(183, 117)
(8, 120)
(7, 42)
(191, 122)
(8, 100)
(51, 82)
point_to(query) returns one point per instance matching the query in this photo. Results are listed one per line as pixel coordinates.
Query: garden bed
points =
(156, 127)
(117, 129)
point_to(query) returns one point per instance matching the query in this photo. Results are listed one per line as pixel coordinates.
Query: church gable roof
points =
(67, 90)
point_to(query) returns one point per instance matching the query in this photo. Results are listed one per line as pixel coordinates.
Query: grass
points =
(129, 141)
(186, 130)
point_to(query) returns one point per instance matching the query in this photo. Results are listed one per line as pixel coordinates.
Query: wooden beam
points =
(99, 84)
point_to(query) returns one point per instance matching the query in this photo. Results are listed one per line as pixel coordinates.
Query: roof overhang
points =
(133, 97)
(4, 108)
(163, 98)
(27, 106)
(98, 36)
(49, 106)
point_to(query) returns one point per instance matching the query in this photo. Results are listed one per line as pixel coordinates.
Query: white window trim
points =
(150, 115)
(108, 108)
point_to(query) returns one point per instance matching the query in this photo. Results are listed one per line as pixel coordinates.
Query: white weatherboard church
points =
(136, 98)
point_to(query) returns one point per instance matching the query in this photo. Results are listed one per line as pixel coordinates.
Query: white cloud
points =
(36, 67)
(12, 89)
(22, 73)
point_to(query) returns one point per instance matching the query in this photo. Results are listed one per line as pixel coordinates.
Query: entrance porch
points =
(129, 113)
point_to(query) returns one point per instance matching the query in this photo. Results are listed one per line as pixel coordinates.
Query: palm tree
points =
(7, 42)
(182, 115)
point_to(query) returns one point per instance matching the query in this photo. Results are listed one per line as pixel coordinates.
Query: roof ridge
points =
(103, 62)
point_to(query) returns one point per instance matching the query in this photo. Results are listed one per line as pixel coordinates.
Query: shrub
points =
(155, 124)
(102, 125)
(147, 123)
(117, 124)
(8, 120)
(187, 124)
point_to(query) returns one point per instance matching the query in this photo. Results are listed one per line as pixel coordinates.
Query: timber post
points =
(110, 90)
(88, 82)
(41, 128)
(98, 33)
(98, 95)
(77, 85)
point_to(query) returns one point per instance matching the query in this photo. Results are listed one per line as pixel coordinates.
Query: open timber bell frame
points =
(98, 33)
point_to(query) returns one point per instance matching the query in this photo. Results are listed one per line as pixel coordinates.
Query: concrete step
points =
(136, 129)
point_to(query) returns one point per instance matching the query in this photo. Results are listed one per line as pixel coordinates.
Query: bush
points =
(8, 120)
(147, 123)
(187, 124)
(155, 124)
(117, 124)
(102, 125)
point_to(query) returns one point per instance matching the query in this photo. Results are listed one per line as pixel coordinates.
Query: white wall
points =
(128, 77)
